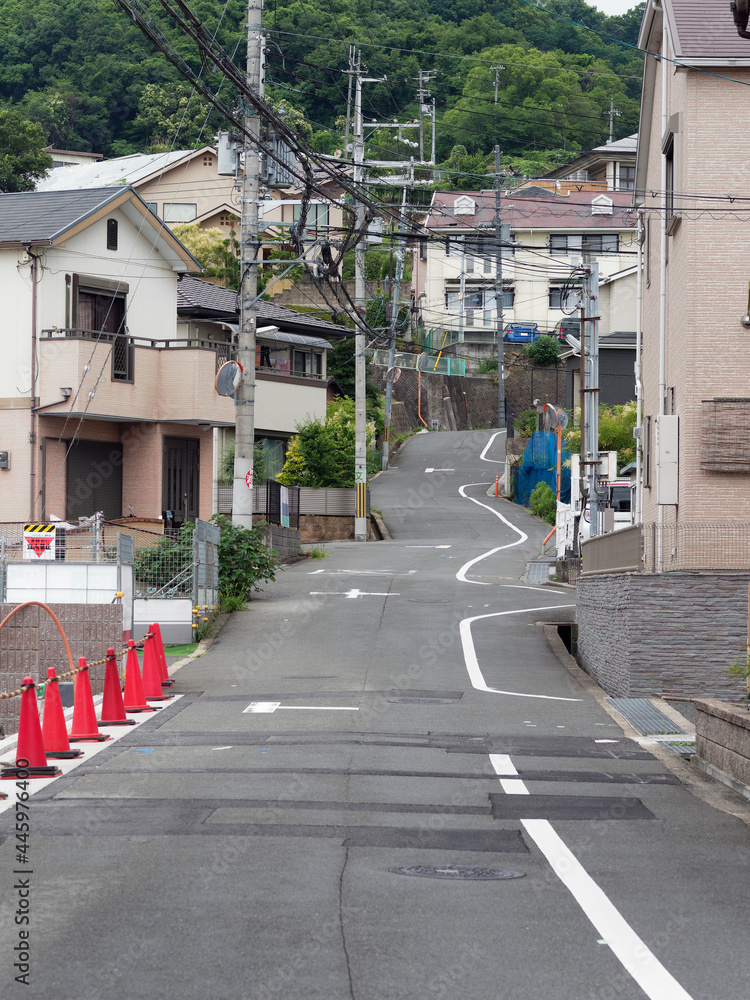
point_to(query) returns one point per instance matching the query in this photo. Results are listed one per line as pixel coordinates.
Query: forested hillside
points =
(503, 71)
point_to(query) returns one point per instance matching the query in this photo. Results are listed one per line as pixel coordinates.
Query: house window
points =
(111, 234)
(423, 248)
(307, 363)
(593, 243)
(317, 216)
(626, 177)
(225, 219)
(555, 297)
(179, 212)
(669, 193)
(208, 160)
(153, 206)
(98, 309)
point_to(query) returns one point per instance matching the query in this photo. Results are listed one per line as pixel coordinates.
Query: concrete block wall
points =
(670, 634)
(31, 642)
(286, 541)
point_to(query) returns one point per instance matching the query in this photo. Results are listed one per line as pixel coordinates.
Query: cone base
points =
(117, 722)
(167, 684)
(63, 754)
(159, 697)
(141, 708)
(10, 773)
(3, 795)
(88, 737)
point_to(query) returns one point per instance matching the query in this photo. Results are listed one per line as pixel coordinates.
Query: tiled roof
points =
(195, 294)
(704, 30)
(533, 208)
(38, 217)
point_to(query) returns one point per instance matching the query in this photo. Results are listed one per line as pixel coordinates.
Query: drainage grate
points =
(458, 872)
(421, 701)
(649, 721)
(538, 570)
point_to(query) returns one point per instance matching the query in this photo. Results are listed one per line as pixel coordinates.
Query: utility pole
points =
(497, 78)
(400, 254)
(242, 491)
(612, 114)
(499, 295)
(590, 378)
(350, 74)
(360, 371)
(422, 93)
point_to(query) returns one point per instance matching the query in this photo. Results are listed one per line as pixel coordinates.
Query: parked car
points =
(521, 332)
(567, 325)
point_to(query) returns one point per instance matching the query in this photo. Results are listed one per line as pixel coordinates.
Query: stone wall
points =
(670, 634)
(286, 541)
(30, 643)
(328, 528)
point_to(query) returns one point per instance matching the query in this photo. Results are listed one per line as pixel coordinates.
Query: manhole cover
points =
(458, 871)
(426, 600)
(421, 701)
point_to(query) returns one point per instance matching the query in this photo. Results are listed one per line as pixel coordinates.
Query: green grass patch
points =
(180, 651)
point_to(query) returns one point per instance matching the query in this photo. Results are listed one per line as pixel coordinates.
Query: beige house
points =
(662, 606)
(454, 273)
(610, 167)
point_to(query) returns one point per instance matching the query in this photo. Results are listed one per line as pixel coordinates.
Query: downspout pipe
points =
(662, 275)
(33, 421)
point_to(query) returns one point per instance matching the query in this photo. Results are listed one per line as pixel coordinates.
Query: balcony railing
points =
(694, 546)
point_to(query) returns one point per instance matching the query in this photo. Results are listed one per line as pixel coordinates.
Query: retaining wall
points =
(669, 634)
(286, 541)
(30, 643)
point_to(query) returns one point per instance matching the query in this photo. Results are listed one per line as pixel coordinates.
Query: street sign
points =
(249, 479)
(39, 541)
(228, 378)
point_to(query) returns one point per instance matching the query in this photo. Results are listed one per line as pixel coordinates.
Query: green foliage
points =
(218, 254)
(739, 670)
(341, 365)
(244, 560)
(226, 466)
(542, 502)
(315, 552)
(22, 158)
(544, 351)
(322, 452)
(526, 423)
(487, 365)
(616, 425)
(155, 565)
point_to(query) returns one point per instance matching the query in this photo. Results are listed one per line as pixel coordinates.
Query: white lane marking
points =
(502, 764)
(513, 786)
(221, 748)
(472, 663)
(439, 470)
(604, 741)
(461, 575)
(315, 572)
(638, 960)
(316, 708)
(483, 456)
(257, 707)
(428, 546)
(349, 593)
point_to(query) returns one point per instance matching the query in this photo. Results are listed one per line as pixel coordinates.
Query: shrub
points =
(542, 502)
(244, 559)
(526, 423)
(544, 351)
(487, 365)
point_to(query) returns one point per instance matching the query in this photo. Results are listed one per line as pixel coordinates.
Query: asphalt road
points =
(395, 705)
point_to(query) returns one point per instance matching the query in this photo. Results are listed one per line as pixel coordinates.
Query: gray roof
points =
(121, 170)
(198, 297)
(628, 144)
(33, 217)
(703, 32)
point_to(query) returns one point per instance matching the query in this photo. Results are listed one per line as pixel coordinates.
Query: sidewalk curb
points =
(710, 791)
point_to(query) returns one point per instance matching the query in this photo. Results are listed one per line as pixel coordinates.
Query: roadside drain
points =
(421, 701)
(458, 872)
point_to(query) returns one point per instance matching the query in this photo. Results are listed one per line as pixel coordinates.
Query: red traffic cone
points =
(135, 699)
(85, 726)
(31, 761)
(166, 680)
(151, 676)
(54, 730)
(113, 706)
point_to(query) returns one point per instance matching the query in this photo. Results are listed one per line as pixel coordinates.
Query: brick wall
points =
(31, 642)
(670, 634)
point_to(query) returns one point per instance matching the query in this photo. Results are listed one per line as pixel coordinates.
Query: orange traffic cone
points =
(31, 761)
(151, 676)
(85, 726)
(166, 680)
(135, 699)
(54, 730)
(113, 706)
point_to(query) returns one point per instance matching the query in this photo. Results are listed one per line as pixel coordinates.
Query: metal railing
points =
(691, 546)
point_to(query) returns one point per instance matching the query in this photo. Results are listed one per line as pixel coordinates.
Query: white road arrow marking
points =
(261, 706)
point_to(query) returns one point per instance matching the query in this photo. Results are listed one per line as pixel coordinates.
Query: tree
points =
(23, 160)
(322, 453)
(544, 351)
(616, 425)
(216, 252)
(341, 364)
